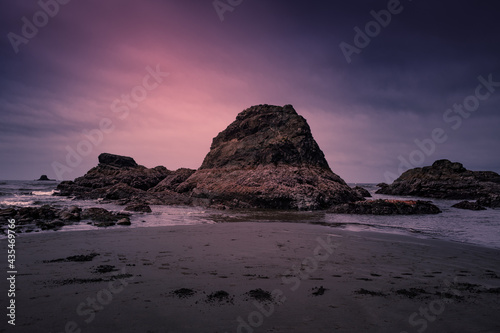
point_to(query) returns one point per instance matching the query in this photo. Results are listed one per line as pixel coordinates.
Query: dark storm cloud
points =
(430, 51)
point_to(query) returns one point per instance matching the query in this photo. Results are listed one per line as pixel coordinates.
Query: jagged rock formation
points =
(386, 207)
(447, 180)
(267, 158)
(173, 180)
(49, 217)
(121, 178)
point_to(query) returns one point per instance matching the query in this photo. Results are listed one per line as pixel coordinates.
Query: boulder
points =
(386, 207)
(67, 216)
(117, 161)
(70, 214)
(97, 214)
(267, 158)
(361, 192)
(139, 207)
(50, 225)
(103, 218)
(468, 205)
(445, 180)
(51, 218)
(45, 217)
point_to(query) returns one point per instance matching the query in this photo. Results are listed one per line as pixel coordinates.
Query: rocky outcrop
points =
(139, 208)
(44, 178)
(468, 205)
(72, 213)
(117, 161)
(447, 180)
(490, 200)
(121, 178)
(361, 192)
(102, 217)
(267, 158)
(386, 207)
(173, 180)
(49, 217)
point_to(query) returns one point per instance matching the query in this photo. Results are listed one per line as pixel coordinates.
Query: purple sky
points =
(90, 69)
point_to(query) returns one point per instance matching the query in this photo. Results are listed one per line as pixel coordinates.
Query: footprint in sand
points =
(364, 279)
(183, 293)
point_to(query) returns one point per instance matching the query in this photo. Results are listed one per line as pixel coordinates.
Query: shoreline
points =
(347, 228)
(321, 279)
(464, 226)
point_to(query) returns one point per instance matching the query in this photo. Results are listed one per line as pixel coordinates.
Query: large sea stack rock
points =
(121, 178)
(267, 158)
(447, 180)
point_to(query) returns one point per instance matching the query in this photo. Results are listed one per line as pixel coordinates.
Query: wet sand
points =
(251, 277)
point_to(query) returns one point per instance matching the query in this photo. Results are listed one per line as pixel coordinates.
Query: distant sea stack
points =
(44, 178)
(447, 180)
(267, 158)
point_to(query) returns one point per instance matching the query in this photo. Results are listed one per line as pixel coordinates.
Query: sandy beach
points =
(251, 277)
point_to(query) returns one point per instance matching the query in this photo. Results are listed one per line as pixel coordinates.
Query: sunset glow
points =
(364, 114)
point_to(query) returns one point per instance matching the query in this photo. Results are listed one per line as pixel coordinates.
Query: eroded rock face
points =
(117, 161)
(139, 208)
(121, 178)
(447, 180)
(386, 207)
(265, 135)
(173, 180)
(267, 158)
(49, 217)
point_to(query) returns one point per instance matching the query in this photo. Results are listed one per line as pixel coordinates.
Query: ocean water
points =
(474, 227)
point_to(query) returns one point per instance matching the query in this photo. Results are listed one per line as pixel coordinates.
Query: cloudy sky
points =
(157, 80)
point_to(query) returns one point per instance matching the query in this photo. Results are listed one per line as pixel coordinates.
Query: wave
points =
(14, 202)
(43, 192)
